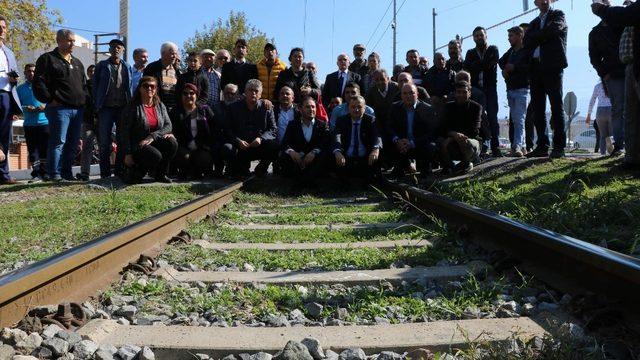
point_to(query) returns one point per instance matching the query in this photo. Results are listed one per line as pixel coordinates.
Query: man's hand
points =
(14, 117)
(295, 156)
(588, 119)
(243, 145)
(3, 157)
(305, 91)
(128, 160)
(145, 142)
(30, 108)
(255, 143)
(373, 157)
(168, 136)
(308, 159)
(340, 160)
(267, 104)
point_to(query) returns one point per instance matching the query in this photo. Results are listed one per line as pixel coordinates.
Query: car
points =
(504, 143)
(586, 139)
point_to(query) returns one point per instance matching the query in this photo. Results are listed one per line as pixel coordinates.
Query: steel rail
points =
(81, 271)
(559, 259)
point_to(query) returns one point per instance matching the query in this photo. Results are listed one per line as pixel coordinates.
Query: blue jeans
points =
(107, 117)
(518, 99)
(615, 88)
(65, 125)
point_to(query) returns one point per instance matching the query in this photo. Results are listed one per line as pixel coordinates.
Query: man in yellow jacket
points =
(268, 70)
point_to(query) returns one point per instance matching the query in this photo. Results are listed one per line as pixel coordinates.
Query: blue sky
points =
(331, 30)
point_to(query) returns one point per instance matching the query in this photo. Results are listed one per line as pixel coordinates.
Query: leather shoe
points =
(538, 152)
(556, 154)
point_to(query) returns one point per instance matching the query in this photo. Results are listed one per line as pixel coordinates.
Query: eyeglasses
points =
(223, 58)
(149, 86)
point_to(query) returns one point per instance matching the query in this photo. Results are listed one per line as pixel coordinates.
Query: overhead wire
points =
(388, 26)
(379, 23)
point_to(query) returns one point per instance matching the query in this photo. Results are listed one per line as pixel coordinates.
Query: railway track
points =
(351, 270)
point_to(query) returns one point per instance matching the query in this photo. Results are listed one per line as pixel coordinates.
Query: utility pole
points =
(395, 32)
(124, 25)
(434, 32)
(525, 5)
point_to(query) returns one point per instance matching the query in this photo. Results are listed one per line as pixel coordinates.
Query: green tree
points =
(223, 35)
(30, 24)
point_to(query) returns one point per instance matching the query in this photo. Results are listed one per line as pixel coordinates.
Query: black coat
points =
(464, 119)
(439, 82)
(488, 65)
(368, 134)
(239, 74)
(381, 105)
(294, 137)
(210, 130)
(626, 16)
(56, 79)
(425, 123)
(296, 81)
(135, 127)
(197, 78)
(242, 124)
(604, 47)
(552, 40)
(330, 89)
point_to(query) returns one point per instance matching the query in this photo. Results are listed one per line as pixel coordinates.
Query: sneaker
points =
(538, 152)
(556, 154)
(517, 153)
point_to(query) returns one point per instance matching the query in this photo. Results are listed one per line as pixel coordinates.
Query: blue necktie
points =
(356, 140)
(340, 80)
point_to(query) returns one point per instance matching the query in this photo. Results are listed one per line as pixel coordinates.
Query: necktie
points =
(356, 140)
(340, 80)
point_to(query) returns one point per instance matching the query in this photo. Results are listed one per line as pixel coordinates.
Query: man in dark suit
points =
(412, 127)
(357, 143)
(460, 131)
(240, 70)
(335, 82)
(546, 38)
(380, 97)
(305, 145)
(250, 132)
(482, 63)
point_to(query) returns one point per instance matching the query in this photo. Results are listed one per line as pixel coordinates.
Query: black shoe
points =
(82, 177)
(261, 169)
(616, 152)
(538, 152)
(163, 179)
(556, 154)
(496, 153)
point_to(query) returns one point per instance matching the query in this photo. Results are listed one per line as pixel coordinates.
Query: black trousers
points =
(423, 153)
(37, 140)
(155, 158)
(240, 160)
(358, 168)
(193, 162)
(309, 174)
(548, 83)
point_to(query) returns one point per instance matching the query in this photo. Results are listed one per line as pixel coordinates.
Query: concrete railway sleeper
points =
(330, 275)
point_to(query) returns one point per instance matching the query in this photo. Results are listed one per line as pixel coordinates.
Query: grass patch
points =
(588, 199)
(38, 228)
(233, 302)
(325, 259)
(225, 234)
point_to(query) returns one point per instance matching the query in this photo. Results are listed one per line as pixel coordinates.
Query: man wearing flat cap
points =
(359, 63)
(111, 92)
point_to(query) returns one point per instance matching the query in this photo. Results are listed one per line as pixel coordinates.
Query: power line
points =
(457, 6)
(379, 22)
(333, 27)
(388, 27)
(304, 29)
(79, 29)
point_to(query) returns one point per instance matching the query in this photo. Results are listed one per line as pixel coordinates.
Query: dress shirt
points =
(599, 94)
(4, 71)
(214, 86)
(135, 78)
(284, 117)
(543, 21)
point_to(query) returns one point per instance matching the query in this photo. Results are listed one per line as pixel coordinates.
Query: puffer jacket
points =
(269, 77)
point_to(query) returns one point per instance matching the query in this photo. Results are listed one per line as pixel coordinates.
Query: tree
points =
(223, 35)
(30, 24)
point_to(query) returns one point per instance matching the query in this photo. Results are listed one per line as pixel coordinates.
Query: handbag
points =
(626, 45)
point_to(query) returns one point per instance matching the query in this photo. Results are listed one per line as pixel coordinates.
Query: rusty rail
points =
(80, 272)
(555, 258)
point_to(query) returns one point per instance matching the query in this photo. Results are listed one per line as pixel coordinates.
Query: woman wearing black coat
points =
(147, 141)
(198, 135)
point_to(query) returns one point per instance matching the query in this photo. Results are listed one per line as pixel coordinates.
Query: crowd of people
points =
(221, 112)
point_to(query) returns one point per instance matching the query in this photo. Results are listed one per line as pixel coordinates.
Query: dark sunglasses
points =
(149, 86)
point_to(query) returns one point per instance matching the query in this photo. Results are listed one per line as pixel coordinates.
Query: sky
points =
(334, 26)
